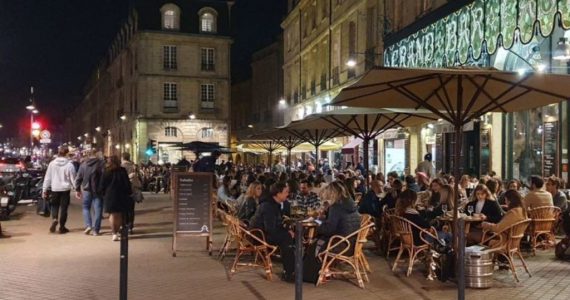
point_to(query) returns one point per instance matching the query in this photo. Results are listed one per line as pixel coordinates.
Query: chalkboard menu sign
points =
(550, 149)
(192, 195)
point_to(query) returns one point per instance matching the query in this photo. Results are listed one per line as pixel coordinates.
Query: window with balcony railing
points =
(313, 88)
(303, 93)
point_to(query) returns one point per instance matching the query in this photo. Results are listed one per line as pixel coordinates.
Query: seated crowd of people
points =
(263, 200)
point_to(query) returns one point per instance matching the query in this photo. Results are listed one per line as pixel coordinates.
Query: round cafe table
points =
(468, 221)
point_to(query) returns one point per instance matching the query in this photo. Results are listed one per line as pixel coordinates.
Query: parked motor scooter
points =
(8, 201)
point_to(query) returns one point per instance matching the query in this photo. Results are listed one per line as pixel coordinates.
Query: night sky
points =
(55, 44)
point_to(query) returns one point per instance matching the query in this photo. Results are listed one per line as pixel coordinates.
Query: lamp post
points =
(31, 107)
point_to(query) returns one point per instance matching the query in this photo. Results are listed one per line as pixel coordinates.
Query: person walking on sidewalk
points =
(86, 184)
(136, 186)
(59, 179)
(116, 190)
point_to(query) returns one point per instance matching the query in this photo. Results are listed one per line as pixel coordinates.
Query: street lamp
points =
(192, 116)
(33, 110)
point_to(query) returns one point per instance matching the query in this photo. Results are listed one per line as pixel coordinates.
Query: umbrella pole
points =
(366, 144)
(316, 156)
(288, 160)
(458, 230)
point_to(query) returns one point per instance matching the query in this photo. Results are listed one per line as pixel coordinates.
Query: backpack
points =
(562, 250)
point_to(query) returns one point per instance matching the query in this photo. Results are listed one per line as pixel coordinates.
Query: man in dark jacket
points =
(370, 203)
(86, 184)
(269, 218)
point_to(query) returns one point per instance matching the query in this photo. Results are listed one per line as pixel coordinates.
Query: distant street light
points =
(98, 128)
(192, 116)
(282, 101)
(123, 117)
(351, 63)
(250, 126)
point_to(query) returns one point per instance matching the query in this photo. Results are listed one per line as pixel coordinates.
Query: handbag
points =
(137, 196)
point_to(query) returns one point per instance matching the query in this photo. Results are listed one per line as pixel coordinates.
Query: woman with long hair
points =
(116, 190)
(516, 213)
(342, 217)
(389, 201)
(249, 206)
(445, 200)
(484, 207)
(405, 209)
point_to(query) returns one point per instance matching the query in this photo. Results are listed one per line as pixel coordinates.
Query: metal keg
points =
(479, 270)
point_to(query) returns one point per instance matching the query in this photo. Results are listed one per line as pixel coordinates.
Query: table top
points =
(467, 219)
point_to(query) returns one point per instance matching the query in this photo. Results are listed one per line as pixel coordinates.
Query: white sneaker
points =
(87, 230)
(115, 238)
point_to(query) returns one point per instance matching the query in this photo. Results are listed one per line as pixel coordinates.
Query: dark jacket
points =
(269, 218)
(247, 209)
(413, 187)
(205, 164)
(414, 217)
(370, 204)
(87, 169)
(389, 201)
(116, 190)
(491, 210)
(342, 219)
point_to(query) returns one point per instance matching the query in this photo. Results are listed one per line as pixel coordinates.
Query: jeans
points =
(89, 199)
(59, 200)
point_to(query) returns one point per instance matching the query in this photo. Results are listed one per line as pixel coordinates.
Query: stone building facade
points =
(165, 81)
(320, 37)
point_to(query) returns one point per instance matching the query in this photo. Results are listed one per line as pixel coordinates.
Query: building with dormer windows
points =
(165, 80)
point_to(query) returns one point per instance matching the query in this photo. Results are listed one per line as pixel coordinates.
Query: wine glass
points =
(444, 209)
(470, 210)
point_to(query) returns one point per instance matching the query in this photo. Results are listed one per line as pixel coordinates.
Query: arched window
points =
(170, 17)
(208, 18)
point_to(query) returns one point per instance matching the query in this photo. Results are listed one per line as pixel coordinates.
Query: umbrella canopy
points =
(327, 146)
(456, 95)
(313, 131)
(364, 123)
(200, 147)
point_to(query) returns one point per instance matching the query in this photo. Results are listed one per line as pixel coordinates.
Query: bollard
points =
(298, 261)
(124, 269)
(460, 262)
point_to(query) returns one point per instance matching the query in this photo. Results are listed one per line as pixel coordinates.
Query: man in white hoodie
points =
(60, 180)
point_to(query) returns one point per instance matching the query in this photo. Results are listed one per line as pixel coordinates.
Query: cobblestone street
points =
(38, 265)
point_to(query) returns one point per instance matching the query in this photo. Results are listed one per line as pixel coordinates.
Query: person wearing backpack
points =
(86, 184)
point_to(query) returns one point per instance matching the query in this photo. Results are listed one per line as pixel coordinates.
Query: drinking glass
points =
(444, 208)
(470, 210)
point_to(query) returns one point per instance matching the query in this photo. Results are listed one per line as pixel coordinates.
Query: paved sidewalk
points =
(35, 264)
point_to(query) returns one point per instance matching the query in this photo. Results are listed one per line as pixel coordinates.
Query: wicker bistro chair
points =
(337, 252)
(229, 239)
(389, 235)
(251, 242)
(507, 243)
(542, 225)
(404, 229)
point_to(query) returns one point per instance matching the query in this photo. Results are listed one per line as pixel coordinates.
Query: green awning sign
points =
(480, 27)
